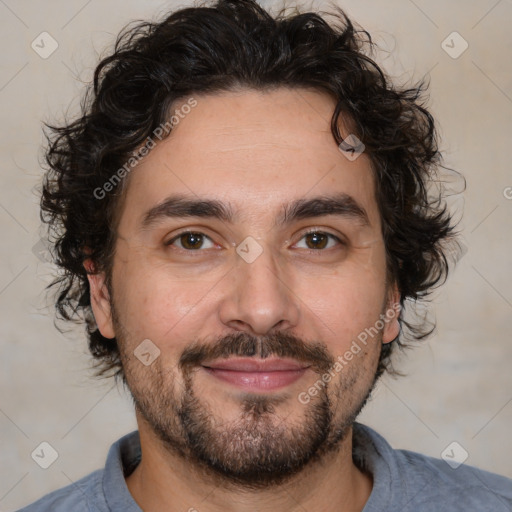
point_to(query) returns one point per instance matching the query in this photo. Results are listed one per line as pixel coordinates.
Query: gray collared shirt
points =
(402, 481)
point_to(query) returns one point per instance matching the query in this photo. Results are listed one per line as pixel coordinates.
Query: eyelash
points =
(313, 231)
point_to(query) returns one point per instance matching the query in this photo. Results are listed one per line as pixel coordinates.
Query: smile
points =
(257, 374)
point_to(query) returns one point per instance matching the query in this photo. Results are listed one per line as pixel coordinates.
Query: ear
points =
(391, 325)
(100, 300)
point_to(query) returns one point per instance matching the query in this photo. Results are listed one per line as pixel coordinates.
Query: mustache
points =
(243, 344)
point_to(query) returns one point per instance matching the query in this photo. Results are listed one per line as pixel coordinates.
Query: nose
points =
(259, 297)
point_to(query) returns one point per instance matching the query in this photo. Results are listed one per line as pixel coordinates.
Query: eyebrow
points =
(180, 206)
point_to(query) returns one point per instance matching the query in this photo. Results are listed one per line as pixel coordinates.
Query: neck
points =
(165, 481)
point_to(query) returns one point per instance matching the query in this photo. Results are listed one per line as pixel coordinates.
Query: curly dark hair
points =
(223, 47)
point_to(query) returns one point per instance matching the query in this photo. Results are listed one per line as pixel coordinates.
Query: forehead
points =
(252, 150)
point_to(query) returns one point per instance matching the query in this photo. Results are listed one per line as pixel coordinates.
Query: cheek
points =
(343, 305)
(155, 304)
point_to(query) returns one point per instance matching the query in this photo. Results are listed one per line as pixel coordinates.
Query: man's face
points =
(246, 326)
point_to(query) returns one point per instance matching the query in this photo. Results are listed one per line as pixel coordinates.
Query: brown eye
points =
(316, 240)
(191, 241)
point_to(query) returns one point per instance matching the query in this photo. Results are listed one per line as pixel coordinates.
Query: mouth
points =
(257, 374)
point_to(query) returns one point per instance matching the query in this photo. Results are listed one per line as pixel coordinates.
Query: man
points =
(241, 212)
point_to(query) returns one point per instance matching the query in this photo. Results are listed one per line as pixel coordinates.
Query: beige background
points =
(459, 386)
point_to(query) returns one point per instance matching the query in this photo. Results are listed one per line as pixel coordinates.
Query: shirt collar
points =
(123, 457)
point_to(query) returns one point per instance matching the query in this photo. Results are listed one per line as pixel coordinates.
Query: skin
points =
(255, 151)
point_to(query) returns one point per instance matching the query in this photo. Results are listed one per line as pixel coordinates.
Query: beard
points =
(260, 447)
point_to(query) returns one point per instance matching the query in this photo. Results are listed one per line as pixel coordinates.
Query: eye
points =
(191, 241)
(316, 240)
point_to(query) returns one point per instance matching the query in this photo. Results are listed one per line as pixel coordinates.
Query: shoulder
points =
(457, 487)
(102, 490)
(76, 497)
(420, 482)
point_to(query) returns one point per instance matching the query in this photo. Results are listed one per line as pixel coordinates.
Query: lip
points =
(257, 374)
(250, 364)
